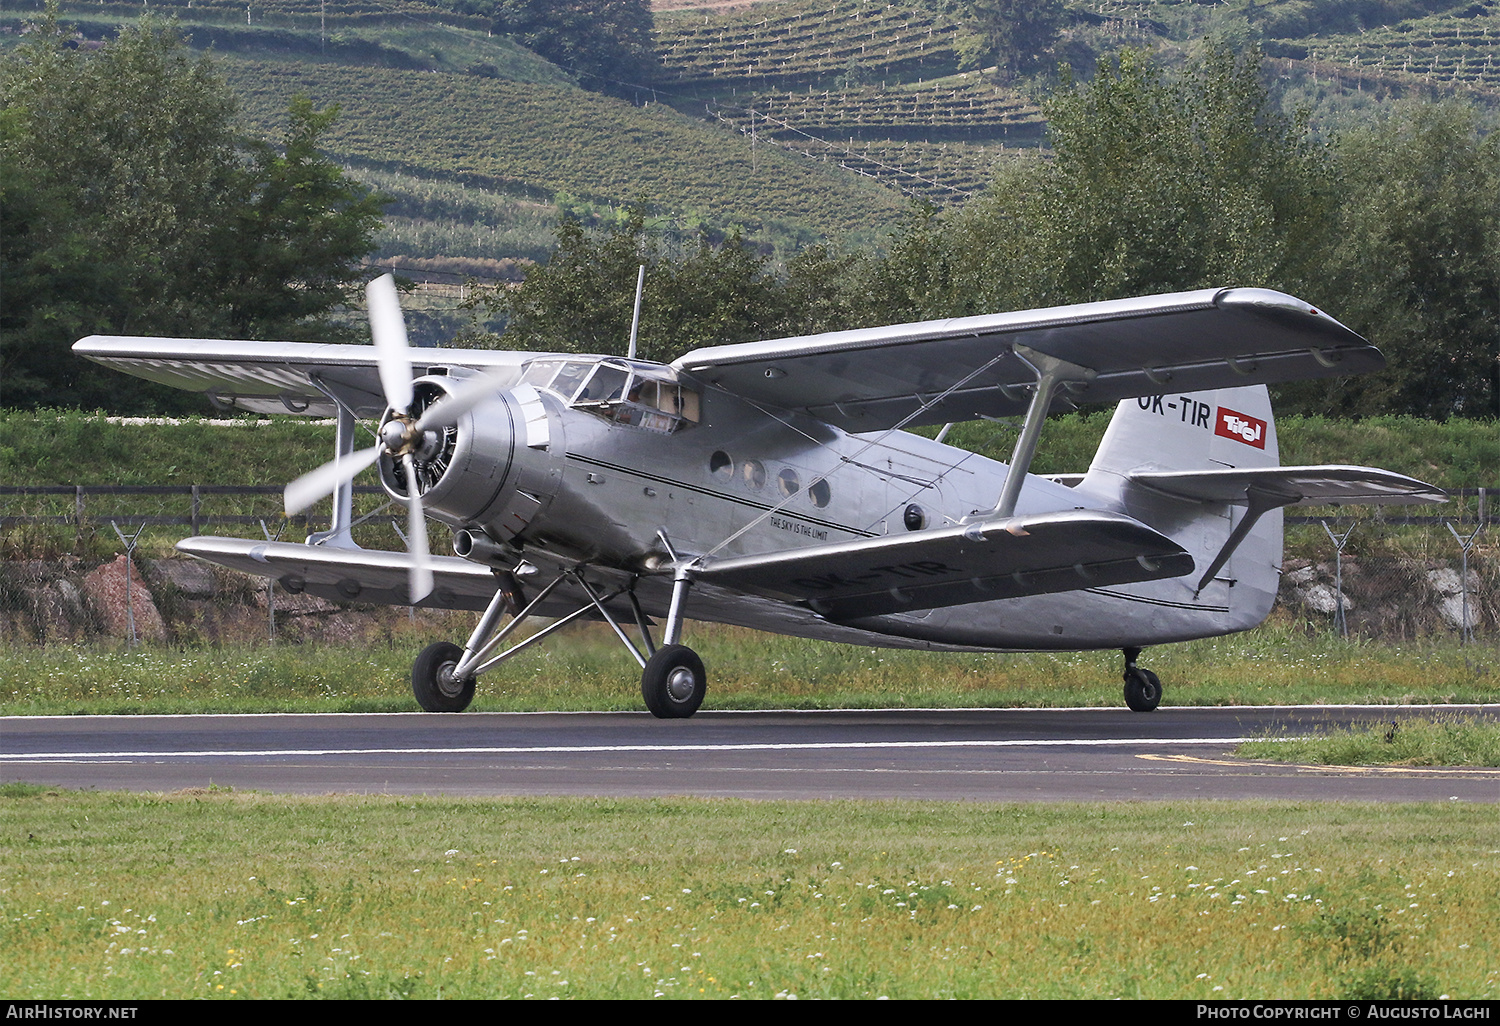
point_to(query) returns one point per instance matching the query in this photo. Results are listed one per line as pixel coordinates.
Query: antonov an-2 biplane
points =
(771, 484)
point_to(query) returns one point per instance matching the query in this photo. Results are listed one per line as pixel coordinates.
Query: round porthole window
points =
(788, 482)
(754, 474)
(720, 465)
(819, 492)
(915, 517)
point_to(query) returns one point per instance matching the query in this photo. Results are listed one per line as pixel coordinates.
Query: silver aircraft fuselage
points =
(587, 480)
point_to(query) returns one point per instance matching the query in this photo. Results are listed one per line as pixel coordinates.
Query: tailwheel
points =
(673, 682)
(433, 680)
(1142, 687)
(1142, 690)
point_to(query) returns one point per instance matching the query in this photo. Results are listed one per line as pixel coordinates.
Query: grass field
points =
(586, 669)
(1440, 741)
(218, 894)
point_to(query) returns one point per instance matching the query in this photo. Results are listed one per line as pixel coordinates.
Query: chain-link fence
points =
(96, 561)
(79, 562)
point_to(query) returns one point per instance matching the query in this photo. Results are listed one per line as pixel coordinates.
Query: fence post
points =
(77, 515)
(196, 510)
(271, 582)
(1465, 629)
(129, 544)
(1339, 542)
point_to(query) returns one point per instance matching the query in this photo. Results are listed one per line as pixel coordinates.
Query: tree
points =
(297, 230)
(608, 44)
(582, 300)
(1162, 184)
(1017, 35)
(129, 208)
(1415, 262)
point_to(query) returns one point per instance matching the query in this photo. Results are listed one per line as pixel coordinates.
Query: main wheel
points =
(433, 682)
(673, 683)
(1142, 689)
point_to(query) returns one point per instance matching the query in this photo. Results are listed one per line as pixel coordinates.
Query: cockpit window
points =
(561, 376)
(605, 385)
(647, 396)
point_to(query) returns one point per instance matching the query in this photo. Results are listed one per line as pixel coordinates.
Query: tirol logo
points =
(1242, 428)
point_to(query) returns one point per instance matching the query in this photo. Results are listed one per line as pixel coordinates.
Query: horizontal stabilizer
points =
(1329, 485)
(950, 566)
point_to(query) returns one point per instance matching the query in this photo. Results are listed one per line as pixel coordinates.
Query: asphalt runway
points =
(968, 755)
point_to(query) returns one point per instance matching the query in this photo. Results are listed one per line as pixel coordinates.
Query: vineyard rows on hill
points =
(973, 107)
(1446, 49)
(940, 173)
(806, 42)
(502, 133)
(289, 13)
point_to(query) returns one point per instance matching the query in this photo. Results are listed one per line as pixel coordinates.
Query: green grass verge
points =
(1444, 741)
(586, 669)
(210, 893)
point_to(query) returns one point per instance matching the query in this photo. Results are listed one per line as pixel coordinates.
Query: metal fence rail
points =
(80, 513)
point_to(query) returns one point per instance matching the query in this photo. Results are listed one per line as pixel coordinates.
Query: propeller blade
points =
(317, 484)
(420, 577)
(388, 329)
(464, 397)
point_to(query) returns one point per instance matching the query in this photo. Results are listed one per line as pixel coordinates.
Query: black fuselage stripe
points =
(1168, 603)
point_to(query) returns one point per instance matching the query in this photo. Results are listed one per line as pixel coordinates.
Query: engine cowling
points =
(496, 469)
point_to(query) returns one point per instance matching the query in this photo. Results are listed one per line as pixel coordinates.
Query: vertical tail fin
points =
(1229, 428)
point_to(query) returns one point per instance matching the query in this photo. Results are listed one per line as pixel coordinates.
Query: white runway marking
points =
(586, 749)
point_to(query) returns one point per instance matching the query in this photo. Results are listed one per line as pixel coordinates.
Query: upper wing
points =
(1328, 485)
(874, 378)
(275, 377)
(950, 566)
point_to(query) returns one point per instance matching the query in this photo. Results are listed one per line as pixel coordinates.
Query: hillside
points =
(559, 139)
(795, 120)
(453, 121)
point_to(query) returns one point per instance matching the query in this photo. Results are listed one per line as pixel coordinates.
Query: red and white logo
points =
(1241, 427)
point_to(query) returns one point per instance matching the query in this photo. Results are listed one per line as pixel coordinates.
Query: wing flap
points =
(1010, 558)
(1325, 485)
(869, 379)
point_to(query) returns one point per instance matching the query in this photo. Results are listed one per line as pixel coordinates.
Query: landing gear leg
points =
(1142, 687)
(672, 681)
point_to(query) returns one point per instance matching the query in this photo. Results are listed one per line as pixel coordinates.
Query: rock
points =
(192, 579)
(59, 612)
(105, 590)
(1451, 609)
(1447, 581)
(1322, 598)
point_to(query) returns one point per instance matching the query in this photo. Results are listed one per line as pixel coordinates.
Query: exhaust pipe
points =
(481, 548)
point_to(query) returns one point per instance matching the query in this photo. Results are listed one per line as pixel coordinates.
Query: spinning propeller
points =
(401, 436)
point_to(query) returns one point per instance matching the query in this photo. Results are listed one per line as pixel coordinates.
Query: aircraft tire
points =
(432, 680)
(673, 682)
(1142, 689)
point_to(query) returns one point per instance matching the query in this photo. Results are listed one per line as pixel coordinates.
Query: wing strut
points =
(1051, 373)
(338, 534)
(1258, 502)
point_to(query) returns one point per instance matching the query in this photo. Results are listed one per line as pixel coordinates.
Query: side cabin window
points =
(646, 396)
